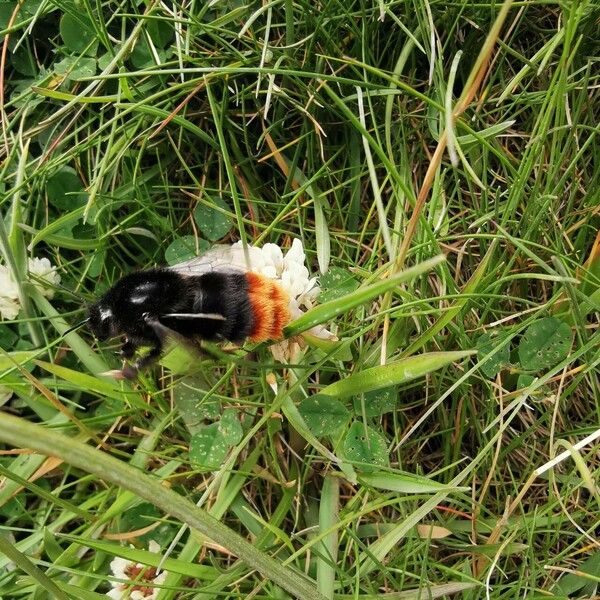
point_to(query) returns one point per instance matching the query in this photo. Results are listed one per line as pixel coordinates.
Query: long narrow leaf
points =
(23, 562)
(327, 549)
(23, 434)
(449, 315)
(329, 310)
(405, 483)
(395, 373)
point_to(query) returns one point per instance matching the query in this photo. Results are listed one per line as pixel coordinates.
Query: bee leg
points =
(153, 338)
(152, 356)
(160, 331)
(128, 349)
(127, 372)
(131, 371)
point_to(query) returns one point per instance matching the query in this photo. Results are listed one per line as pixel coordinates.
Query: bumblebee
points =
(210, 297)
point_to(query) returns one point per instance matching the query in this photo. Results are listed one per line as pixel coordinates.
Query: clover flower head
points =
(9, 295)
(142, 579)
(45, 278)
(290, 271)
(43, 270)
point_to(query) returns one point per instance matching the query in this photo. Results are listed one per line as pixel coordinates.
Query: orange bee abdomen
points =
(270, 308)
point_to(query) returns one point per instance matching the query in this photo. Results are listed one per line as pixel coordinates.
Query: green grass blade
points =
(22, 434)
(85, 354)
(395, 373)
(449, 315)
(45, 494)
(428, 592)
(327, 548)
(201, 572)
(405, 483)
(334, 308)
(23, 563)
(293, 415)
(104, 387)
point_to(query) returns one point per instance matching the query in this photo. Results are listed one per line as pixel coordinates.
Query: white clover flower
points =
(295, 253)
(43, 270)
(9, 295)
(255, 256)
(290, 272)
(142, 579)
(46, 278)
(273, 258)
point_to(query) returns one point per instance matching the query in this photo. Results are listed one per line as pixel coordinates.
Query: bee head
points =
(101, 321)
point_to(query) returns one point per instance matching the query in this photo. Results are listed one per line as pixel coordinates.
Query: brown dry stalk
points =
(477, 75)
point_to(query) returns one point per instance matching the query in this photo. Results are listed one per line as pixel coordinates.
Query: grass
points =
(395, 463)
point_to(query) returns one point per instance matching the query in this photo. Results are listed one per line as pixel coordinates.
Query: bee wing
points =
(219, 258)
